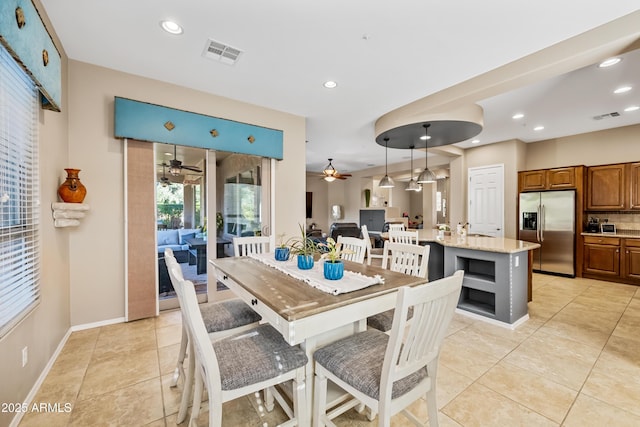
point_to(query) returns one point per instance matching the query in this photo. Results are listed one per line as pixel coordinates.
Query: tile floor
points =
(575, 362)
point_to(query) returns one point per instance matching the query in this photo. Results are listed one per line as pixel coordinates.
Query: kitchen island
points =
(497, 273)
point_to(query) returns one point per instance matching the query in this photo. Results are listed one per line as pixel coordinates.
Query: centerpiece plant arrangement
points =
(305, 248)
(332, 254)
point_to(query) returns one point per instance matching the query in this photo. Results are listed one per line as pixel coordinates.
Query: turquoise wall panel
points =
(26, 45)
(155, 123)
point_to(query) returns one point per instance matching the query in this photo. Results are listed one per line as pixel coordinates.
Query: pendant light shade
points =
(413, 186)
(426, 176)
(386, 181)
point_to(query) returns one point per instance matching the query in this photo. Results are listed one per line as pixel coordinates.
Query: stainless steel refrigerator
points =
(548, 218)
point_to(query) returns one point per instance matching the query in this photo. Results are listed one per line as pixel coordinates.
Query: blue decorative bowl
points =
(282, 254)
(305, 262)
(333, 270)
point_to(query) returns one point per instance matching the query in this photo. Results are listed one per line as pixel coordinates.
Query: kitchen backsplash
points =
(622, 221)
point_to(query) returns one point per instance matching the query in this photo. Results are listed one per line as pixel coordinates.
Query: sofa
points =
(176, 240)
(345, 229)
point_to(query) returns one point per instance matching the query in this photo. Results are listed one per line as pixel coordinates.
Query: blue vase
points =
(282, 254)
(305, 262)
(333, 270)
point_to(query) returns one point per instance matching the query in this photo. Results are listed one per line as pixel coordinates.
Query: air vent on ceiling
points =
(606, 116)
(221, 52)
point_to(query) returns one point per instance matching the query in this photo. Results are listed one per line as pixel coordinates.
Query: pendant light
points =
(426, 176)
(413, 186)
(386, 182)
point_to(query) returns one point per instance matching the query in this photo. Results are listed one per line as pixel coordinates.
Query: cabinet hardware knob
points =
(225, 277)
(254, 302)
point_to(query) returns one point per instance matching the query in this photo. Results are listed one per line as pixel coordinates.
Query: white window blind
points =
(19, 194)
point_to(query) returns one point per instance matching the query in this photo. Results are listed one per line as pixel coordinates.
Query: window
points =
(242, 203)
(19, 194)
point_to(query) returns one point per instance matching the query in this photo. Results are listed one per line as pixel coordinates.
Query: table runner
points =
(351, 281)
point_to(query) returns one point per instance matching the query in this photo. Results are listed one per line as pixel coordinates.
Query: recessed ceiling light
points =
(475, 141)
(622, 89)
(330, 84)
(171, 27)
(517, 116)
(609, 62)
(425, 137)
(538, 128)
(632, 108)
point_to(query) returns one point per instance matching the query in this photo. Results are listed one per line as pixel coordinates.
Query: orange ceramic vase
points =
(72, 190)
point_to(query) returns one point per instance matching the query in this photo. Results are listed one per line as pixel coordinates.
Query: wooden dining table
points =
(305, 315)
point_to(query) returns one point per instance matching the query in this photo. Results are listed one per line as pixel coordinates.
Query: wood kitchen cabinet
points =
(612, 258)
(632, 260)
(634, 185)
(549, 179)
(606, 188)
(602, 256)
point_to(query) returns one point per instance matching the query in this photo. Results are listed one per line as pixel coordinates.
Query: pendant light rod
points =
(386, 182)
(426, 176)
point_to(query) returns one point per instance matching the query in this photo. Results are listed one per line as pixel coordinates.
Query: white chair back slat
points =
(243, 246)
(356, 247)
(402, 236)
(396, 227)
(406, 258)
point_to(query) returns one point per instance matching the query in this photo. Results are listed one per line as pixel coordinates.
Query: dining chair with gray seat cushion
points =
(407, 371)
(403, 258)
(220, 319)
(241, 365)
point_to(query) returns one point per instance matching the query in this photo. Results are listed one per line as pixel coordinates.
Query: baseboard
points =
(511, 326)
(43, 375)
(97, 324)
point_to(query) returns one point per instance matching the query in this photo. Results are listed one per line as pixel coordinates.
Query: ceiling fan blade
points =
(192, 168)
(342, 174)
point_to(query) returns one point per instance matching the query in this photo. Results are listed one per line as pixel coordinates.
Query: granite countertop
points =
(488, 244)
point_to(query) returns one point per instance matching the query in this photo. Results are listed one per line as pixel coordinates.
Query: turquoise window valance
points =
(156, 123)
(25, 36)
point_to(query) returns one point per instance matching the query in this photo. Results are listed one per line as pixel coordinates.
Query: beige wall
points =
(43, 329)
(97, 278)
(321, 210)
(596, 148)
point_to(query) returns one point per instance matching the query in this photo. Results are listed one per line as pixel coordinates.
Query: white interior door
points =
(486, 200)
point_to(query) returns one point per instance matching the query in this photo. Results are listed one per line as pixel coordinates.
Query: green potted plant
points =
(282, 250)
(305, 248)
(219, 223)
(333, 265)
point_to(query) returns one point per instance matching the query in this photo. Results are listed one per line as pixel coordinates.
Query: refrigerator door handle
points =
(538, 225)
(542, 224)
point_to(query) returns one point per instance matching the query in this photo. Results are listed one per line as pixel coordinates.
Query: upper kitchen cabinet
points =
(634, 186)
(550, 179)
(613, 187)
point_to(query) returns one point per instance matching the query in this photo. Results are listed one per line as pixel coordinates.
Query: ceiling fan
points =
(331, 174)
(175, 166)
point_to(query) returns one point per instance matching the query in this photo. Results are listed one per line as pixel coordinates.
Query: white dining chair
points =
(242, 365)
(371, 251)
(221, 319)
(408, 371)
(403, 236)
(354, 249)
(243, 246)
(396, 226)
(403, 258)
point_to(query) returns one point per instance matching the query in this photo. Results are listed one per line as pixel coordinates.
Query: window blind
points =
(19, 194)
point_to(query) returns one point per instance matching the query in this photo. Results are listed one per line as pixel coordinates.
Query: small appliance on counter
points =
(608, 228)
(593, 226)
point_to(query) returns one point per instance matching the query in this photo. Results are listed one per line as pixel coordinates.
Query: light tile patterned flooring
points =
(575, 362)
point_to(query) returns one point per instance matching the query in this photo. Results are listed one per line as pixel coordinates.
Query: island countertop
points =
(480, 243)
